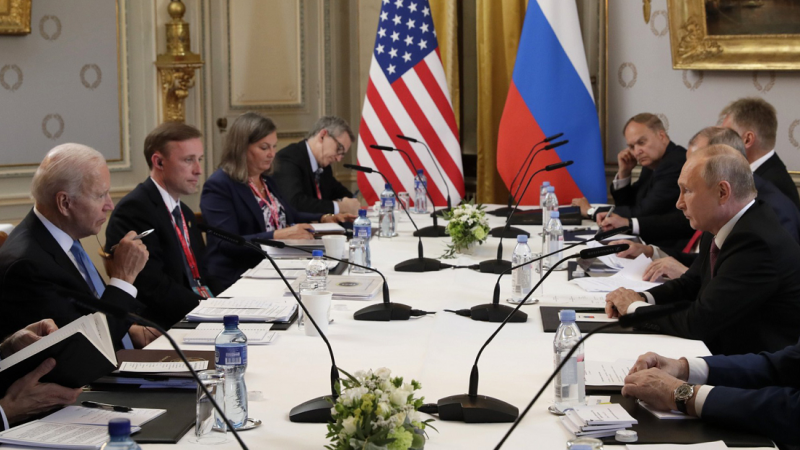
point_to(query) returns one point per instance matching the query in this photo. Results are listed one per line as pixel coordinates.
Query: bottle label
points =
(230, 356)
(362, 232)
(387, 202)
(569, 373)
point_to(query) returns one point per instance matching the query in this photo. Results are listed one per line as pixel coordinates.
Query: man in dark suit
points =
(303, 170)
(173, 280)
(44, 270)
(757, 123)
(745, 284)
(759, 393)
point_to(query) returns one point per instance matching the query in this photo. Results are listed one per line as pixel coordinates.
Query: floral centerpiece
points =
(468, 225)
(375, 411)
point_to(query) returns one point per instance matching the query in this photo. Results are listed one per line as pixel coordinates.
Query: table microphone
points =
(495, 312)
(435, 164)
(474, 408)
(110, 309)
(382, 312)
(498, 265)
(626, 321)
(420, 263)
(316, 410)
(435, 230)
(511, 198)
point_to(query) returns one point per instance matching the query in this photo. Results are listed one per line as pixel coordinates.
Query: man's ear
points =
(724, 191)
(63, 203)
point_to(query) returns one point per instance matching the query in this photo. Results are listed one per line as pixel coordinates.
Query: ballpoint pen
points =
(135, 238)
(106, 406)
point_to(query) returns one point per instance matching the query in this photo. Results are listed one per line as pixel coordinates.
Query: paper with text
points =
(159, 367)
(92, 416)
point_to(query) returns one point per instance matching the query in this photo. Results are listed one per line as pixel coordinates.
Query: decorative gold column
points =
(176, 67)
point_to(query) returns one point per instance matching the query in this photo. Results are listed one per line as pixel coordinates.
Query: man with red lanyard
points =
(173, 280)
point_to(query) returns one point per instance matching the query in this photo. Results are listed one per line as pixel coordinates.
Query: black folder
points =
(652, 430)
(550, 321)
(569, 215)
(169, 427)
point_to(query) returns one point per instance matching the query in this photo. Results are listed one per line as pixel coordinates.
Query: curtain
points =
(499, 25)
(445, 21)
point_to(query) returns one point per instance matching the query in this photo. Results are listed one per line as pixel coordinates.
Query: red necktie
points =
(692, 242)
(712, 255)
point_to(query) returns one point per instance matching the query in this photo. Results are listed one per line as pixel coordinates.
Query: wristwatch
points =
(590, 212)
(682, 395)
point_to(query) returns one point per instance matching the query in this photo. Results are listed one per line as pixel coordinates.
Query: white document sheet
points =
(604, 373)
(717, 445)
(245, 302)
(57, 435)
(630, 277)
(206, 333)
(669, 415)
(159, 367)
(587, 299)
(94, 416)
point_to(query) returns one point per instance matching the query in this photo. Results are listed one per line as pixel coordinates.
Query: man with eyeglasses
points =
(303, 169)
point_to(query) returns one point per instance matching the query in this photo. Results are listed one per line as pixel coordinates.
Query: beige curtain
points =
(445, 21)
(499, 24)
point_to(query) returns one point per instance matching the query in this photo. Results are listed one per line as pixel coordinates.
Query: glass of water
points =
(358, 255)
(204, 432)
(405, 199)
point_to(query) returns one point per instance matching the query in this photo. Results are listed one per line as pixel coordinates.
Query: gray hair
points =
(649, 120)
(335, 126)
(724, 163)
(720, 135)
(246, 130)
(64, 168)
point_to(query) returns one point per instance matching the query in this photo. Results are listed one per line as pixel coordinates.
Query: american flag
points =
(407, 94)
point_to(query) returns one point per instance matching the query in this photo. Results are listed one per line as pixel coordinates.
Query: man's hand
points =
(26, 337)
(583, 204)
(668, 267)
(653, 386)
(618, 301)
(349, 205)
(614, 221)
(338, 218)
(678, 368)
(634, 249)
(141, 336)
(128, 259)
(28, 397)
(626, 162)
(299, 231)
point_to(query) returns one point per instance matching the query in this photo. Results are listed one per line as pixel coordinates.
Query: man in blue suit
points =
(759, 393)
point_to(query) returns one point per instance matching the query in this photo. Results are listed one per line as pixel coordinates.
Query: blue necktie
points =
(94, 281)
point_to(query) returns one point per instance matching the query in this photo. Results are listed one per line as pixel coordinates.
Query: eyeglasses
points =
(340, 150)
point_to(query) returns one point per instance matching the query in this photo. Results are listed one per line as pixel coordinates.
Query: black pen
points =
(106, 406)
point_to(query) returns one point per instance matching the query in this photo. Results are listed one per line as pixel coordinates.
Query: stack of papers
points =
(345, 287)
(597, 420)
(607, 374)
(206, 333)
(327, 228)
(306, 244)
(291, 268)
(630, 277)
(247, 308)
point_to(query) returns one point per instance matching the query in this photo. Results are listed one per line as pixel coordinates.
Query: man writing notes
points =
(173, 280)
(745, 283)
(756, 122)
(759, 393)
(303, 169)
(44, 270)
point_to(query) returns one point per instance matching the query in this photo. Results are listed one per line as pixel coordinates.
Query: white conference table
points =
(437, 350)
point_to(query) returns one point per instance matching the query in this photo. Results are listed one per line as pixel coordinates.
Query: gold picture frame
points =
(738, 39)
(15, 16)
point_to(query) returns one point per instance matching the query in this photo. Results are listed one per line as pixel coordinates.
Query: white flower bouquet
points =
(375, 411)
(468, 225)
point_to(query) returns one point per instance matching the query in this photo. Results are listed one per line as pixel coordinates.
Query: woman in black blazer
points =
(241, 198)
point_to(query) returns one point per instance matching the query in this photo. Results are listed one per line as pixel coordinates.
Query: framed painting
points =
(735, 34)
(15, 16)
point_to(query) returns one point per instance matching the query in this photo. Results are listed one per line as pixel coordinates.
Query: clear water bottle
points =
(362, 228)
(317, 271)
(119, 431)
(420, 189)
(550, 205)
(387, 220)
(358, 251)
(230, 348)
(521, 279)
(569, 383)
(553, 240)
(543, 193)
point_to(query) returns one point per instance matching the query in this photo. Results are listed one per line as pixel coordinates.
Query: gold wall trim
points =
(17, 18)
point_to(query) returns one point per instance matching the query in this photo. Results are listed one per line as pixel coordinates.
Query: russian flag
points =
(551, 93)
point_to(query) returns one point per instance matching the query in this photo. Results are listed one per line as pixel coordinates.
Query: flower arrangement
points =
(375, 411)
(468, 225)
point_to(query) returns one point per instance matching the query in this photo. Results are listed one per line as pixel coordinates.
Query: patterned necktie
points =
(317, 175)
(712, 256)
(95, 283)
(176, 214)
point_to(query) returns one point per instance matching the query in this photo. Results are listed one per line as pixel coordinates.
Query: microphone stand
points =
(474, 408)
(382, 312)
(435, 164)
(498, 265)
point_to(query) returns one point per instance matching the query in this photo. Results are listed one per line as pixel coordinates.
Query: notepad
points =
(249, 309)
(206, 333)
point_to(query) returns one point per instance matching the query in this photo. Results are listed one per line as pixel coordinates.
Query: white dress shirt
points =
(757, 163)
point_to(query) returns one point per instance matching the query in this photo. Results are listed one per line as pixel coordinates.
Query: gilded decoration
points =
(15, 16)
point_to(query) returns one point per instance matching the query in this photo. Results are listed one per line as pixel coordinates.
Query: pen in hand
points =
(106, 406)
(608, 214)
(135, 238)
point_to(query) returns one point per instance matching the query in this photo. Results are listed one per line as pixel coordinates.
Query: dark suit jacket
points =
(163, 284)
(775, 171)
(231, 206)
(296, 180)
(752, 303)
(758, 393)
(38, 281)
(656, 191)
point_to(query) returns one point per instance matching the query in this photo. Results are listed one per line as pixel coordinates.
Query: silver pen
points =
(138, 237)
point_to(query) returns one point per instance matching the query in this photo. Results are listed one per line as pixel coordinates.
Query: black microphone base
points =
(317, 410)
(383, 312)
(419, 265)
(476, 409)
(431, 231)
(504, 211)
(510, 233)
(496, 266)
(490, 312)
